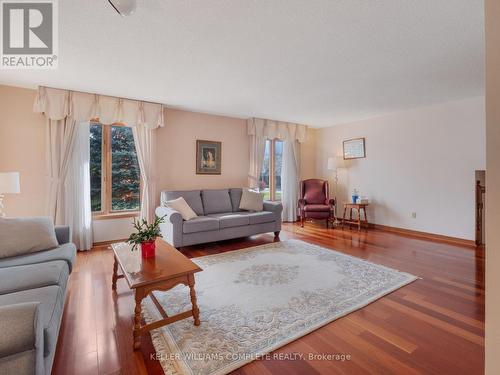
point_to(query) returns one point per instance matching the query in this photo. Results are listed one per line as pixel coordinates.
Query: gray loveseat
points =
(32, 291)
(219, 217)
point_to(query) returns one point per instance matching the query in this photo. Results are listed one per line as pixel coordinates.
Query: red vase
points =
(148, 249)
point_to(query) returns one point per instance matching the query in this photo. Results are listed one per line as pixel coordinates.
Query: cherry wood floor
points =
(433, 326)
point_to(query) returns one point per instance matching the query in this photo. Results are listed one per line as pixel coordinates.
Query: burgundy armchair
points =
(314, 202)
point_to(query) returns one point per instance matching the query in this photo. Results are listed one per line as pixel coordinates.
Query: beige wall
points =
(421, 161)
(176, 154)
(492, 187)
(22, 148)
(177, 151)
(308, 155)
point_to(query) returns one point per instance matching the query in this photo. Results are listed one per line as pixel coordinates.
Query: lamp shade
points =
(335, 162)
(9, 183)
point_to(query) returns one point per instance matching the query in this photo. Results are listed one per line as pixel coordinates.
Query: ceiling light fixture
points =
(124, 7)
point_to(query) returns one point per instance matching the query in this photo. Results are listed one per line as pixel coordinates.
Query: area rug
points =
(256, 300)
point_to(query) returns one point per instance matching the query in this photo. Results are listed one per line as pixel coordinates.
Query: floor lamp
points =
(9, 184)
(334, 164)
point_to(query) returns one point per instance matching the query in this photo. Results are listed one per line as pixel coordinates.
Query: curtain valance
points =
(271, 129)
(58, 104)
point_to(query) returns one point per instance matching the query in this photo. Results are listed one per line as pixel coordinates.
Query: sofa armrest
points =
(63, 234)
(171, 228)
(275, 207)
(22, 331)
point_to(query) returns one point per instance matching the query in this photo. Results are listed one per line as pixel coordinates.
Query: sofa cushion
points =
(251, 200)
(261, 217)
(192, 198)
(180, 205)
(26, 235)
(230, 219)
(235, 195)
(200, 224)
(216, 201)
(52, 301)
(66, 252)
(15, 279)
(317, 208)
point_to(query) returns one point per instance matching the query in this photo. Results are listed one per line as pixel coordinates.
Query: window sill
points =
(115, 215)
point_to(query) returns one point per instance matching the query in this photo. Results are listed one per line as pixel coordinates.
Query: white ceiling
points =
(317, 62)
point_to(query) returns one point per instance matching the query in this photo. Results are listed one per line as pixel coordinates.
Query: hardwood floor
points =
(432, 326)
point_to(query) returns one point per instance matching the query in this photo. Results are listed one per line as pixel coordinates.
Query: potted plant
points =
(145, 236)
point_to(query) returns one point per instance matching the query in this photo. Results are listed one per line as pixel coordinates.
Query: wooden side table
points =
(358, 207)
(166, 269)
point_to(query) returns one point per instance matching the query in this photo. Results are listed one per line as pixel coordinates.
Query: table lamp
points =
(9, 184)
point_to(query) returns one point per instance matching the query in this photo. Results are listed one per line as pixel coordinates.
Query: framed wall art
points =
(354, 148)
(208, 157)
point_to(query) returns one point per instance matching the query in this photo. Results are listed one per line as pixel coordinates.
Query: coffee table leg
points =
(137, 319)
(196, 311)
(115, 274)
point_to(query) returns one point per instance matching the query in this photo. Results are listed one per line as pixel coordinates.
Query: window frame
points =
(106, 211)
(272, 168)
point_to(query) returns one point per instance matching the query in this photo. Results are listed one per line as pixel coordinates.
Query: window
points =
(115, 179)
(270, 178)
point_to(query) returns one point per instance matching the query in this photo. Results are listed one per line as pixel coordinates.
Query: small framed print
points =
(354, 148)
(208, 157)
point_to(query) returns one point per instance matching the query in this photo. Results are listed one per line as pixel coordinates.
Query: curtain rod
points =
(93, 93)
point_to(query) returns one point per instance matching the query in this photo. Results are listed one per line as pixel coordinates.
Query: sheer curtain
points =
(255, 129)
(77, 207)
(60, 138)
(68, 198)
(145, 145)
(292, 136)
(290, 173)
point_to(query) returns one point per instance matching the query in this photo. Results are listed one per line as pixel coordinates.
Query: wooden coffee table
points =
(164, 271)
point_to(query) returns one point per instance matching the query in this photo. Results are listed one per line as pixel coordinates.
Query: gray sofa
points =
(32, 291)
(219, 217)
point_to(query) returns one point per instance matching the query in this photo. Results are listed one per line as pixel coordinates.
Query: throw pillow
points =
(251, 201)
(182, 207)
(19, 236)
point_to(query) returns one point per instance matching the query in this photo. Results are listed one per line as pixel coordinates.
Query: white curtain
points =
(293, 135)
(77, 208)
(145, 145)
(60, 138)
(68, 198)
(255, 129)
(290, 174)
(57, 104)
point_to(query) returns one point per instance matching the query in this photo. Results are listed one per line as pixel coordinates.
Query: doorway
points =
(480, 206)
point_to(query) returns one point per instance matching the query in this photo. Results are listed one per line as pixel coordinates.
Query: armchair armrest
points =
(63, 234)
(22, 337)
(171, 228)
(275, 207)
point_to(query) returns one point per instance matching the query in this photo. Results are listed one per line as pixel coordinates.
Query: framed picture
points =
(354, 148)
(208, 157)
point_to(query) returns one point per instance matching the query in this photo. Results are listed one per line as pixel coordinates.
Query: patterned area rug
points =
(256, 300)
